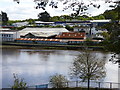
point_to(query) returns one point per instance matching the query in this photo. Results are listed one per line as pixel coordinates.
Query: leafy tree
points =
(105, 35)
(78, 6)
(44, 16)
(110, 14)
(114, 30)
(31, 21)
(4, 18)
(58, 81)
(113, 42)
(57, 18)
(99, 17)
(88, 67)
(19, 83)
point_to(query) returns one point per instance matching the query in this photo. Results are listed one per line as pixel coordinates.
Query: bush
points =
(18, 83)
(58, 81)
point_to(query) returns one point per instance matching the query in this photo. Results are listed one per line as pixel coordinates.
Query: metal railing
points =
(93, 84)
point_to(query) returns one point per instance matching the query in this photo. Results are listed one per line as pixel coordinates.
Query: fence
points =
(93, 84)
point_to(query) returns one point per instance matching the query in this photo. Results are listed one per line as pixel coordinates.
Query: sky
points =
(26, 9)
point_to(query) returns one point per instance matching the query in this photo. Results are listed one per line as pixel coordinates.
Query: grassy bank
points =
(48, 46)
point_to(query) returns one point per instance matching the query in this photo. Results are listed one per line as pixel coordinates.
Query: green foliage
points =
(70, 18)
(114, 39)
(88, 39)
(69, 28)
(44, 16)
(105, 35)
(99, 17)
(4, 18)
(87, 66)
(31, 21)
(110, 14)
(58, 81)
(57, 18)
(18, 83)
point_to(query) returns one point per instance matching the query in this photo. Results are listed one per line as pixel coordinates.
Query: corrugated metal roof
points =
(42, 32)
(7, 32)
(44, 22)
(4, 29)
(100, 20)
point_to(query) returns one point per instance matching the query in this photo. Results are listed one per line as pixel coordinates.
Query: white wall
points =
(80, 29)
(9, 36)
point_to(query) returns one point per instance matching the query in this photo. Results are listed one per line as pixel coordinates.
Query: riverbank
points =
(48, 46)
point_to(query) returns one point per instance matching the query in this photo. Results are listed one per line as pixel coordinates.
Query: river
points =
(36, 66)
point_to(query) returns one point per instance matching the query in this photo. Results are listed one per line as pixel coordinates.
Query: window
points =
(8, 35)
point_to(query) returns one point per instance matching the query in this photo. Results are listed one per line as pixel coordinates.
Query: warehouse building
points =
(41, 32)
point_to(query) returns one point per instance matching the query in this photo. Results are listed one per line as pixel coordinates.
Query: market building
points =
(41, 32)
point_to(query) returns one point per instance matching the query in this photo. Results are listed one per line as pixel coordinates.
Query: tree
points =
(58, 81)
(4, 18)
(18, 83)
(44, 16)
(114, 30)
(110, 14)
(113, 42)
(78, 6)
(88, 67)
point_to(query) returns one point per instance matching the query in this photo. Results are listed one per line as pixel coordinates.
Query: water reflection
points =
(37, 65)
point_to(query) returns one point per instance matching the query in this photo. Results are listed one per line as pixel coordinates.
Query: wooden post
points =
(76, 83)
(99, 84)
(67, 84)
(110, 85)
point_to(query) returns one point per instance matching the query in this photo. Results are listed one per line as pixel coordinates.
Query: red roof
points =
(71, 35)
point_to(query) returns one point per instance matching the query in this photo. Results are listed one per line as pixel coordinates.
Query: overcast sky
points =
(26, 9)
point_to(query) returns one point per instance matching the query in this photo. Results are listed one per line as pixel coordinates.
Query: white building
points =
(20, 24)
(85, 29)
(41, 32)
(8, 36)
(38, 23)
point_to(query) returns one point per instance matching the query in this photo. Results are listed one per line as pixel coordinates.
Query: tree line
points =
(45, 16)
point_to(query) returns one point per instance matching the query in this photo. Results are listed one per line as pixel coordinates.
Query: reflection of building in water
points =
(6, 53)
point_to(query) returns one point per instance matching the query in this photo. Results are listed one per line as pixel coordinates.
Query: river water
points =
(36, 66)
